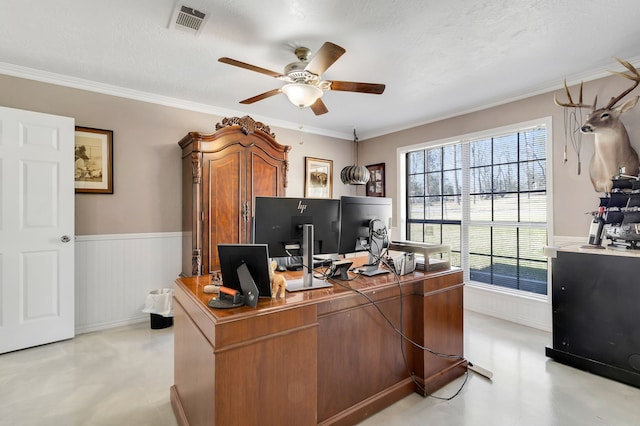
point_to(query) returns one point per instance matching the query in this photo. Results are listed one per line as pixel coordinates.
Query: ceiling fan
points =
(304, 86)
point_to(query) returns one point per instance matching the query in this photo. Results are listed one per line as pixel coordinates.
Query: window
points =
(487, 198)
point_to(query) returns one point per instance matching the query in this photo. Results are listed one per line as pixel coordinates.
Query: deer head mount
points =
(613, 154)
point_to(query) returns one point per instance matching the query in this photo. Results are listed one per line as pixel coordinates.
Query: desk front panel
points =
(361, 358)
(325, 356)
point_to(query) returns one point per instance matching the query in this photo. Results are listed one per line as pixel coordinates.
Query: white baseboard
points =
(112, 324)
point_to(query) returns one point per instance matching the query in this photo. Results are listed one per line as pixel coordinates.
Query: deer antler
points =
(635, 77)
(572, 104)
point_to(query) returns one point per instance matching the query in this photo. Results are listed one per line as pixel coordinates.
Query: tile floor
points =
(122, 377)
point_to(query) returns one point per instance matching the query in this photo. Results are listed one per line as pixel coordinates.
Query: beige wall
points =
(147, 163)
(573, 194)
(147, 158)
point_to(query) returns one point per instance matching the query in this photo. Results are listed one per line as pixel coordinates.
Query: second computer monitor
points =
(358, 217)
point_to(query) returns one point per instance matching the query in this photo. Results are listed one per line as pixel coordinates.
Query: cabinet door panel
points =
(223, 188)
(266, 176)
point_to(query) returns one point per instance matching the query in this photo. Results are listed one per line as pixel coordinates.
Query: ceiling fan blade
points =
(261, 96)
(352, 86)
(324, 58)
(249, 67)
(319, 108)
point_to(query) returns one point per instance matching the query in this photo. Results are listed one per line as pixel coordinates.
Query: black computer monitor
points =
(255, 256)
(365, 225)
(298, 227)
(278, 222)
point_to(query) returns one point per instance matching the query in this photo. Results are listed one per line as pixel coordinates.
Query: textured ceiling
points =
(437, 58)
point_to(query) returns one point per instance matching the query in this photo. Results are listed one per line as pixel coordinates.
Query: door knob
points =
(65, 238)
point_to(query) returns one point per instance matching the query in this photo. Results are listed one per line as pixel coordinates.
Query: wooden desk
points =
(323, 356)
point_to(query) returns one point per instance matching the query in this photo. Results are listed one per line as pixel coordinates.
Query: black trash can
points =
(159, 305)
(158, 321)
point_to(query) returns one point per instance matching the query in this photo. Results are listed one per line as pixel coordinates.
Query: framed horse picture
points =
(318, 182)
(94, 160)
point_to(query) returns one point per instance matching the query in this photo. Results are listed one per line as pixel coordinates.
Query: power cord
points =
(400, 331)
(381, 233)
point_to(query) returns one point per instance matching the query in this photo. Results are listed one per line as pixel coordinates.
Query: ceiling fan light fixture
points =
(302, 94)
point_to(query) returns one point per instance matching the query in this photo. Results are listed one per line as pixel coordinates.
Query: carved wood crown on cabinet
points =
(222, 172)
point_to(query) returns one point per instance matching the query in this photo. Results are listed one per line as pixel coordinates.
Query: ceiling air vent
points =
(188, 19)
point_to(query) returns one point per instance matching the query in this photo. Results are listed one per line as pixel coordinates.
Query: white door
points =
(36, 229)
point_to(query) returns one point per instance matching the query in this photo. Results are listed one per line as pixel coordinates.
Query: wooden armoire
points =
(222, 172)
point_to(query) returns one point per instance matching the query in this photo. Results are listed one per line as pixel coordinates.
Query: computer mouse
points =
(281, 268)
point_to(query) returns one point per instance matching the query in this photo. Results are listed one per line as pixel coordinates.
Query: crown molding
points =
(123, 92)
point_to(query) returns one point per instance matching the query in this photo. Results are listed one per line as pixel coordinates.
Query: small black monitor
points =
(278, 222)
(365, 225)
(255, 256)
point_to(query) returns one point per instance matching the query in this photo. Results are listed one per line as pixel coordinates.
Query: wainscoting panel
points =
(523, 310)
(115, 273)
(530, 311)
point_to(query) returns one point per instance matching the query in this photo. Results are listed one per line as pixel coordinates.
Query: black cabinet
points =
(596, 314)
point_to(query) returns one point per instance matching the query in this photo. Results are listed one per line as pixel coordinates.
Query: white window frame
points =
(401, 208)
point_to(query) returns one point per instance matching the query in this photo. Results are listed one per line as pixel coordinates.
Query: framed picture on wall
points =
(375, 186)
(94, 160)
(318, 181)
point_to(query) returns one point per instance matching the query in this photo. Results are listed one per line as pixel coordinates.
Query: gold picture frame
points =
(318, 182)
(94, 160)
(376, 184)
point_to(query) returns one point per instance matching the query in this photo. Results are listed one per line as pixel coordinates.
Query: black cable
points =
(406, 362)
(404, 337)
(381, 258)
(399, 332)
